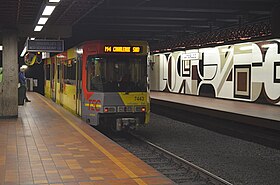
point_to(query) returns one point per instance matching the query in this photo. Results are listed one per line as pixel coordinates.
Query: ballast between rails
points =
(212, 178)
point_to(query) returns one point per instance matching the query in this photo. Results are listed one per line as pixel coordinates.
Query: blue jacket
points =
(21, 78)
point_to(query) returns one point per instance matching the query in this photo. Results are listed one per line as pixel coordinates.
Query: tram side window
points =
(58, 71)
(48, 71)
(52, 75)
(53, 70)
(1, 67)
(95, 73)
(70, 72)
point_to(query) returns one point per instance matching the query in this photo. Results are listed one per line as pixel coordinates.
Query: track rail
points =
(174, 167)
(210, 178)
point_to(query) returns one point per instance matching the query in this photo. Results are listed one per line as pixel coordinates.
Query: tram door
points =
(53, 81)
(78, 85)
(60, 82)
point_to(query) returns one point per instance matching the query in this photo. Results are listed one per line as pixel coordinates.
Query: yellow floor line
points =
(97, 145)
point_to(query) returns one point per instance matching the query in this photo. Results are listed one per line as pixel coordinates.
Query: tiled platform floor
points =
(48, 145)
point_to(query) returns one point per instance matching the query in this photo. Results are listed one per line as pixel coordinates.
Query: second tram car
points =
(104, 82)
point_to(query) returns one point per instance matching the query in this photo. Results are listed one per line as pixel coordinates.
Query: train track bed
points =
(175, 168)
(238, 161)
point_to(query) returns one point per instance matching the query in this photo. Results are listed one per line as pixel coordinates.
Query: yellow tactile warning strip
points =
(48, 145)
(102, 149)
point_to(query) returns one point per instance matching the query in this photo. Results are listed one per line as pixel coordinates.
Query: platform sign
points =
(190, 56)
(45, 45)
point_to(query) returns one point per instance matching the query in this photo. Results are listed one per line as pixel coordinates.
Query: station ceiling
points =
(151, 20)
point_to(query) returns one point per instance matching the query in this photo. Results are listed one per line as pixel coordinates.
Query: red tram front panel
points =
(115, 83)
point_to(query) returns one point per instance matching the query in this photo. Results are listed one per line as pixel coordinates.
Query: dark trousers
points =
(25, 89)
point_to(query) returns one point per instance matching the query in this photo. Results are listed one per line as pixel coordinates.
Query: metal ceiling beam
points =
(90, 10)
(142, 30)
(133, 24)
(225, 9)
(159, 18)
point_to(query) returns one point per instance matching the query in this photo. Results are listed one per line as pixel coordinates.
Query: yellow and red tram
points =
(104, 82)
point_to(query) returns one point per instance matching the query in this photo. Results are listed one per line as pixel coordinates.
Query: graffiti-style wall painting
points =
(244, 72)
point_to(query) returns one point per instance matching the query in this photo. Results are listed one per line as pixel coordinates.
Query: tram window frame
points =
(48, 71)
(69, 72)
(93, 76)
(111, 78)
(1, 67)
(53, 71)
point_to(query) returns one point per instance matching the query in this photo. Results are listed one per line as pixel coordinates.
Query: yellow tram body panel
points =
(74, 81)
(137, 99)
(48, 89)
(69, 97)
(57, 93)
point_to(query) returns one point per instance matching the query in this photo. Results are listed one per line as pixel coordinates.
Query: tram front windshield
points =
(117, 73)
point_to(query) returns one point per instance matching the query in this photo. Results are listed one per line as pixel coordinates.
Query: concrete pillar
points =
(9, 89)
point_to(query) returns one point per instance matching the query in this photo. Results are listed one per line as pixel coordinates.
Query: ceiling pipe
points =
(94, 7)
(67, 9)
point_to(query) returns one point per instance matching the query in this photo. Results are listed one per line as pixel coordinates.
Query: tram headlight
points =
(109, 109)
(140, 109)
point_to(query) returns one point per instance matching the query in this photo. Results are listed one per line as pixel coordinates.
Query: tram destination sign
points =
(45, 45)
(123, 49)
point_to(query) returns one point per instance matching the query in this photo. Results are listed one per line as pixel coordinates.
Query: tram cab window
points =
(117, 73)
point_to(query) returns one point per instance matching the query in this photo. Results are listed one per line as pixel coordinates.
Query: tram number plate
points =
(139, 98)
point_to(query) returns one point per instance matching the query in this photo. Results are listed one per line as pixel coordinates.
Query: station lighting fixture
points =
(43, 20)
(23, 51)
(49, 7)
(38, 28)
(25, 48)
(48, 10)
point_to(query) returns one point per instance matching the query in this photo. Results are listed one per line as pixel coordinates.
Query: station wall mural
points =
(246, 72)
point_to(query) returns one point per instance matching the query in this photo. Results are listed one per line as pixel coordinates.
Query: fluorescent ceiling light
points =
(48, 10)
(43, 20)
(32, 38)
(38, 28)
(1, 48)
(23, 51)
(54, 1)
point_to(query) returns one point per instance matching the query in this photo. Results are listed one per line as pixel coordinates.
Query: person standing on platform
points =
(22, 81)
